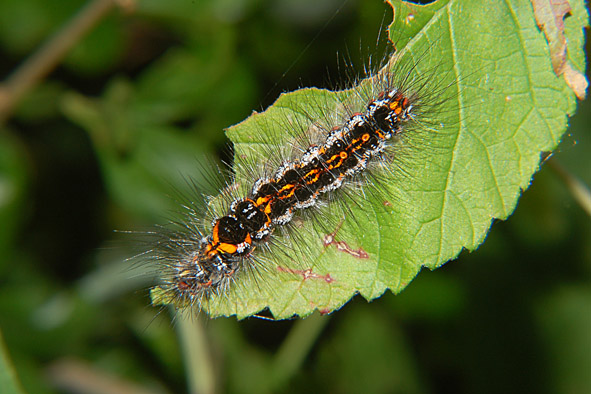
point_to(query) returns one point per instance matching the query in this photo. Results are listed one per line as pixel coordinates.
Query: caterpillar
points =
(296, 185)
(348, 147)
(396, 158)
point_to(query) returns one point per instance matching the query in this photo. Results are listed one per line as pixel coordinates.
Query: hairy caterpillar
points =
(412, 177)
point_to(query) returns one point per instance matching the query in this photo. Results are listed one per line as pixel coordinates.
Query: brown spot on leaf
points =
(550, 16)
(342, 246)
(576, 81)
(307, 274)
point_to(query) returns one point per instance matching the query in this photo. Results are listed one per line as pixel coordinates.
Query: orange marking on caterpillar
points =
(215, 233)
(332, 158)
(316, 176)
(227, 248)
(261, 201)
(291, 189)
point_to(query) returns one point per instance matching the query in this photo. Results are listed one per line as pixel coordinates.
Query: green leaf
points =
(410, 18)
(504, 106)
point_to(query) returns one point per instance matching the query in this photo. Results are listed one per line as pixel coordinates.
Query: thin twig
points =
(51, 53)
(196, 352)
(575, 186)
(295, 348)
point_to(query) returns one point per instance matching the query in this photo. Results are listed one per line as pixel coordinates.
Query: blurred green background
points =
(134, 107)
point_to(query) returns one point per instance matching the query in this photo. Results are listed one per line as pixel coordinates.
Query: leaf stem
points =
(295, 348)
(575, 186)
(198, 363)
